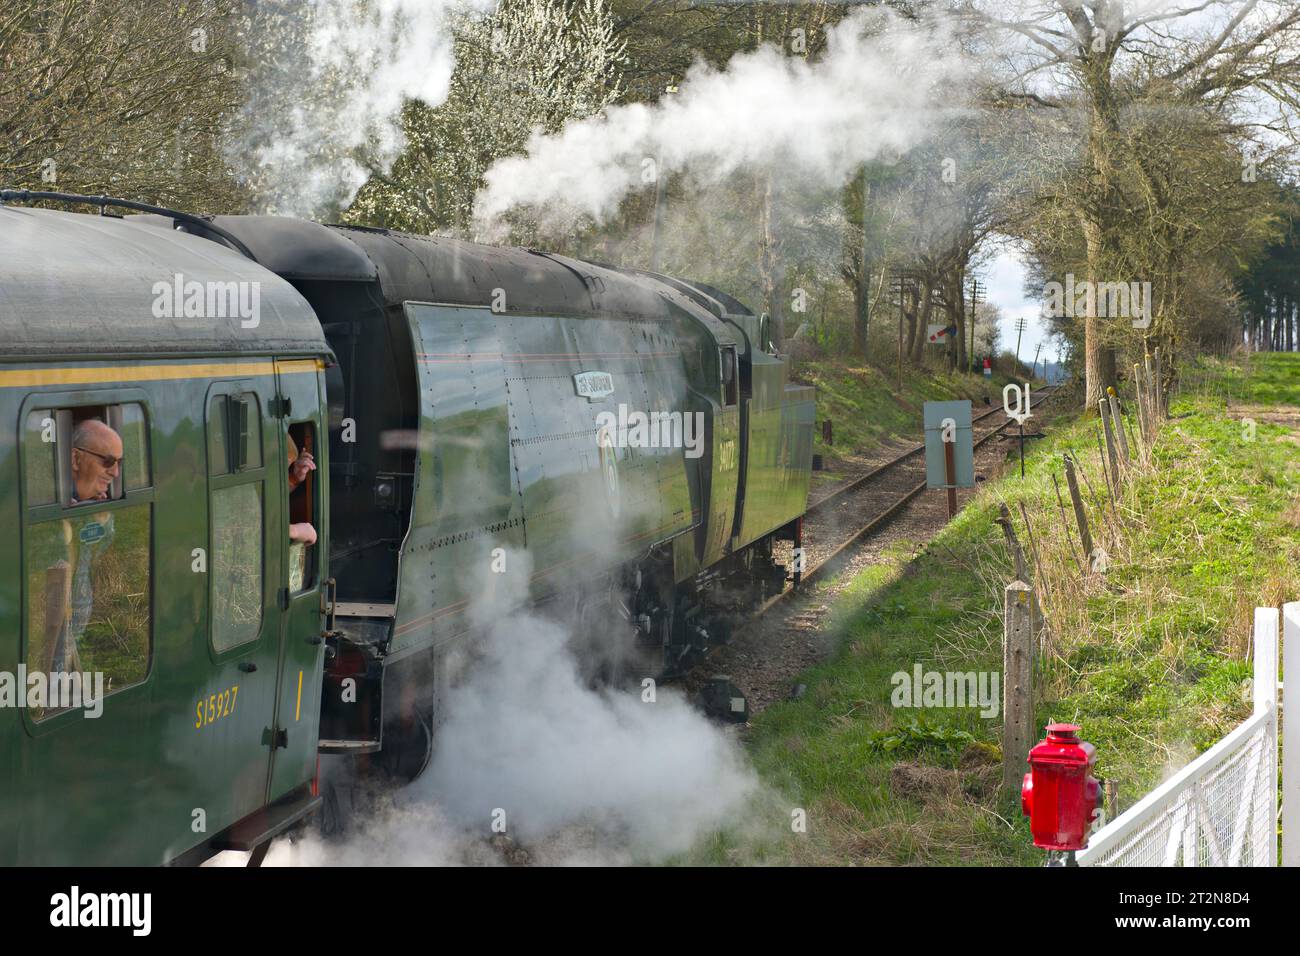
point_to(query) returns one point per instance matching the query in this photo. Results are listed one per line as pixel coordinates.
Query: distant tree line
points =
(1270, 293)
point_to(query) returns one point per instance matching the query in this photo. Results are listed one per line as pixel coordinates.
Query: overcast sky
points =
(1004, 277)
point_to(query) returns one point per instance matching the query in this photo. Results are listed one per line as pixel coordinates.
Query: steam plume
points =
(327, 85)
(882, 84)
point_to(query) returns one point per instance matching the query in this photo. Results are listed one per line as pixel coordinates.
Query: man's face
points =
(92, 476)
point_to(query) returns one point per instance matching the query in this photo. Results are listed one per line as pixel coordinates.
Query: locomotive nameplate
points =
(593, 386)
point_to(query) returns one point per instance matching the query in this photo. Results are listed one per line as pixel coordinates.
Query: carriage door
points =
(300, 589)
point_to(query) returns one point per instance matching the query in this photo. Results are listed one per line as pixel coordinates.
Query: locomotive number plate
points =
(594, 386)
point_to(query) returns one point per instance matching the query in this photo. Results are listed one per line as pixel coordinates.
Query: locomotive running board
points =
(349, 746)
(360, 609)
(262, 826)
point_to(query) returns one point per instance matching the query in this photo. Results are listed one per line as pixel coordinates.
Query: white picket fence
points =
(1222, 808)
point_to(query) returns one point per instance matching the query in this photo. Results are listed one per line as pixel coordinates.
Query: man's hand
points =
(302, 531)
(300, 468)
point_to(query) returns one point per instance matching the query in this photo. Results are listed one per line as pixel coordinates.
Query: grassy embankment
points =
(1149, 657)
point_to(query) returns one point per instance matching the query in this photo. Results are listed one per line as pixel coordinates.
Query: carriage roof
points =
(85, 285)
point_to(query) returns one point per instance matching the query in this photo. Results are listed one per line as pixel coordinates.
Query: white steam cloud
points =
(328, 81)
(578, 775)
(526, 734)
(881, 86)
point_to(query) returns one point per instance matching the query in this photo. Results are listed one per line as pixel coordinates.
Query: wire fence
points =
(1219, 810)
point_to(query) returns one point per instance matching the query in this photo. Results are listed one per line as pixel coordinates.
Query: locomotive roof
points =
(453, 271)
(75, 284)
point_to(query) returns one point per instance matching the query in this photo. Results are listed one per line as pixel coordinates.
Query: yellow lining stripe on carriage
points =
(292, 366)
(105, 374)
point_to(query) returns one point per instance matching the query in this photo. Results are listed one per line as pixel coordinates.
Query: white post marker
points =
(1019, 414)
(1291, 734)
(1021, 410)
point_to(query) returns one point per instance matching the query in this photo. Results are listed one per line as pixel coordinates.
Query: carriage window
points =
(236, 565)
(237, 515)
(245, 432)
(130, 424)
(234, 434)
(87, 569)
(89, 453)
(218, 457)
(38, 450)
(730, 380)
(303, 522)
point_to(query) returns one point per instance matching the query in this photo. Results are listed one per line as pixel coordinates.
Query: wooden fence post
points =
(1060, 504)
(1112, 452)
(1017, 683)
(1117, 418)
(1140, 392)
(1148, 380)
(1013, 543)
(1080, 516)
(1162, 411)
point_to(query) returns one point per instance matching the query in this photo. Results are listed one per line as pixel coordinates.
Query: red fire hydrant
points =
(1059, 794)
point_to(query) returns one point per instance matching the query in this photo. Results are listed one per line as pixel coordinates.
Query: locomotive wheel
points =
(408, 747)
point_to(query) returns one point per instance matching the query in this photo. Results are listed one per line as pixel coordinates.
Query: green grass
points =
(1149, 658)
(1267, 378)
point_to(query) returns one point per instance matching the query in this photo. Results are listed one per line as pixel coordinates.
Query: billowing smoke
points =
(531, 751)
(327, 82)
(881, 86)
(527, 737)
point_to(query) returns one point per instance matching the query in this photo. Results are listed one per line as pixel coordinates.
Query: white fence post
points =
(1265, 681)
(1291, 734)
(1265, 690)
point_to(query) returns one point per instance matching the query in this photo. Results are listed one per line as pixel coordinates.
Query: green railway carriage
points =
(179, 588)
(492, 426)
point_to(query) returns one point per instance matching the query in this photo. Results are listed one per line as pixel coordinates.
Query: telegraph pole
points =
(1020, 331)
(865, 277)
(901, 281)
(977, 291)
(661, 199)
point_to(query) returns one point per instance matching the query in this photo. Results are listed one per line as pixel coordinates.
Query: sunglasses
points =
(108, 461)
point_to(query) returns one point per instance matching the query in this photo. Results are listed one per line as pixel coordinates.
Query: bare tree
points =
(1098, 62)
(119, 96)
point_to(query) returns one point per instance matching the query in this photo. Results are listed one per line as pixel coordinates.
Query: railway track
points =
(868, 503)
